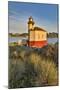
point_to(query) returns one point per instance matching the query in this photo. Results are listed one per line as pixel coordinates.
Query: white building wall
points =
(32, 36)
(38, 35)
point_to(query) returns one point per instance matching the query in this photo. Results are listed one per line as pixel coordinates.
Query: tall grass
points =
(45, 69)
(30, 67)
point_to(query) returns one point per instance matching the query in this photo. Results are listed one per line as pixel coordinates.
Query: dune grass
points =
(29, 67)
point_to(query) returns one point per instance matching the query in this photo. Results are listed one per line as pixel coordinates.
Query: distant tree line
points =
(49, 35)
(52, 35)
(18, 34)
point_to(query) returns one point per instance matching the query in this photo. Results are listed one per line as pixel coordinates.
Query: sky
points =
(44, 16)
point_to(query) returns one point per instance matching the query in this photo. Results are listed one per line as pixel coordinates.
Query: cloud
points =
(17, 26)
(18, 23)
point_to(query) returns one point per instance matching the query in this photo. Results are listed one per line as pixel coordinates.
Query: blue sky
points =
(44, 15)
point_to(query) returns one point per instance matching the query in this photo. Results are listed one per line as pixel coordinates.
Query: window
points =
(38, 36)
(42, 35)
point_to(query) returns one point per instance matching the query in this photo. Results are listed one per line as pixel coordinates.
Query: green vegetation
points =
(29, 67)
(13, 44)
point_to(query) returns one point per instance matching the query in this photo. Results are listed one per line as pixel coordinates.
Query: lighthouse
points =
(37, 37)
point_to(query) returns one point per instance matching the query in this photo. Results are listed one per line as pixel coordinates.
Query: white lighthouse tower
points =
(30, 23)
